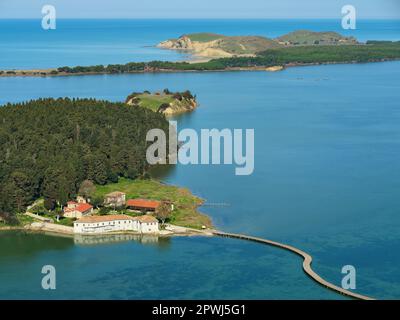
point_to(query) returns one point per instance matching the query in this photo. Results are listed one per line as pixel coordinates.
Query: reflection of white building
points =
(91, 239)
(115, 223)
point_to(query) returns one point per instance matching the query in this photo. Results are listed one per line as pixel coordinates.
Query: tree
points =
(163, 212)
(19, 190)
(132, 173)
(87, 189)
(96, 201)
(59, 183)
(49, 204)
(8, 218)
(98, 170)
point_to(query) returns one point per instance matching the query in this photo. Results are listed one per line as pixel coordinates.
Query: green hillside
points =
(204, 37)
(305, 37)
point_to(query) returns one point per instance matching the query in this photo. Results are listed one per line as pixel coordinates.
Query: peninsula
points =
(238, 53)
(212, 45)
(58, 149)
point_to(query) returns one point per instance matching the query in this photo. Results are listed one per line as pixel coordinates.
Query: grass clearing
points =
(204, 37)
(153, 101)
(185, 203)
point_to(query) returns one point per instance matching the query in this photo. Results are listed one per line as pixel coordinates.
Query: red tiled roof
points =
(116, 217)
(83, 207)
(142, 203)
(72, 202)
(111, 217)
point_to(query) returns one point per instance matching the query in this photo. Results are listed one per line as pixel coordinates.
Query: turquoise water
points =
(326, 179)
(25, 45)
(177, 268)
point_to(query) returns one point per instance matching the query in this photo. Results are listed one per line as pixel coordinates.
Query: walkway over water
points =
(306, 262)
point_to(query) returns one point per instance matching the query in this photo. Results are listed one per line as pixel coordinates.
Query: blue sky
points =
(378, 9)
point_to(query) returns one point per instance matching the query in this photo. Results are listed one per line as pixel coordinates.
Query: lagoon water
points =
(326, 179)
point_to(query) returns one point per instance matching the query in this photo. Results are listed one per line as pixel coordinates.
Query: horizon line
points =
(199, 18)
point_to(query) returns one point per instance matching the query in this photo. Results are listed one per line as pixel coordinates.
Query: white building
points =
(115, 223)
(147, 224)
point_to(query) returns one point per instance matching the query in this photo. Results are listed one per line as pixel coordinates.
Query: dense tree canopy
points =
(49, 147)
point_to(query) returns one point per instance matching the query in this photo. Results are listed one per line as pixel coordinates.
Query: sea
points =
(326, 177)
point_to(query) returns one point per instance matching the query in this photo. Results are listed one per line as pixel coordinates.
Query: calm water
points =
(179, 268)
(25, 45)
(327, 179)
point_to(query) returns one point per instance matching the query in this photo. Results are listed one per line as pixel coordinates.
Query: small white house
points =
(115, 199)
(116, 223)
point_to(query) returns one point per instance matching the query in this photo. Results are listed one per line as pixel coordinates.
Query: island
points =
(214, 52)
(212, 45)
(64, 159)
(165, 102)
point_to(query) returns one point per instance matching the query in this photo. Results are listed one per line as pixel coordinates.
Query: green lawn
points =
(185, 203)
(69, 222)
(204, 37)
(153, 101)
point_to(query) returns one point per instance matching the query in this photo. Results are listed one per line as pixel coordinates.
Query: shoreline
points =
(43, 73)
(59, 230)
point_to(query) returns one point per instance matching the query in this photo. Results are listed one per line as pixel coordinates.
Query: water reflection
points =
(162, 171)
(26, 244)
(161, 242)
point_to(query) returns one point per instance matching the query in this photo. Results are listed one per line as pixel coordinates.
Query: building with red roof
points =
(77, 210)
(143, 205)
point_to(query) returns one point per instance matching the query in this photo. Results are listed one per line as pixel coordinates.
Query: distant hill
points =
(214, 45)
(309, 38)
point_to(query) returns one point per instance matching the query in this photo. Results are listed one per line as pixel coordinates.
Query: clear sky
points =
(378, 9)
